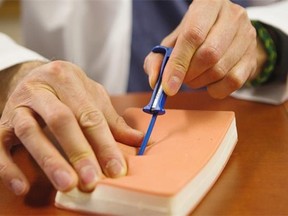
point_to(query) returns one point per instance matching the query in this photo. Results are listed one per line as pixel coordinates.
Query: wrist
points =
(266, 55)
(261, 58)
(10, 78)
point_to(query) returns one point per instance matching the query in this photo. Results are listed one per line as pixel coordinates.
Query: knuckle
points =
(76, 157)
(180, 66)
(97, 89)
(194, 36)
(61, 71)
(22, 94)
(209, 54)
(101, 90)
(47, 161)
(234, 82)
(57, 67)
(91, 119)
(239, 12)
(52, 118)
(217, 73)
(25, 127)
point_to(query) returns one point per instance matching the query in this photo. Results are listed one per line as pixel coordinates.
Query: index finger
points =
(193, 32)
(64, 126)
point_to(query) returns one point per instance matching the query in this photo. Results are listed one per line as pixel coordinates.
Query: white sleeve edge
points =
(273, 93)
(273, 14)
(11, 53)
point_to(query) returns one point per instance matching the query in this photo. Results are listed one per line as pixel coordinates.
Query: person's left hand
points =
(214, 47)
(77, 111)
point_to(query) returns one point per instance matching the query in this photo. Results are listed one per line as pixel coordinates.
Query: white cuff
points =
(273, 14)
(272, 93)
(11, 53)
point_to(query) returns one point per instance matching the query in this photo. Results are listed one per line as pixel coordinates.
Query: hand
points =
(79, 114)
(214, 46)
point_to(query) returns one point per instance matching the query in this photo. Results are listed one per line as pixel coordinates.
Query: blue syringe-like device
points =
(158, 98)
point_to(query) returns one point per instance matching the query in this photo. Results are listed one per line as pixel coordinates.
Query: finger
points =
(83, 119)
(97, 129)
(218, 41)
(194, 31)
(152, 65)
(10, 174)
(27, 129)
(97, 132)
(88, 110)
(64, 126)
(242, 41)
(153, 61)
(102, 128)
(122, 132)
(235, 78)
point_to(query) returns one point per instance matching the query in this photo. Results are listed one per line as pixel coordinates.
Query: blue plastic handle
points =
(158, 98)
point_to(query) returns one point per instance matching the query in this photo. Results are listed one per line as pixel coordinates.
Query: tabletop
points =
(254, 181)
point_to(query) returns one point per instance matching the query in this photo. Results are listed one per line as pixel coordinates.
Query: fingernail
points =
(88, 175)
(17, 186)
(62, 179)
(150, 80)
(114, 168)
(173, 84)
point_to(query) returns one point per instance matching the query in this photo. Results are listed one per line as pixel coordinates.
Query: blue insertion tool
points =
(158, 98)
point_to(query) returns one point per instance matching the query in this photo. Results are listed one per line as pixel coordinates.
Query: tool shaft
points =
(147, 135)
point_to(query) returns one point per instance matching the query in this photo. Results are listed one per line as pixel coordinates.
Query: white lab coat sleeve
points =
(11, 53)
(273, 93)
(273, 14)
(276, 92)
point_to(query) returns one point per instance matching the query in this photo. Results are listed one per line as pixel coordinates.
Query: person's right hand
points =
(79, 114)
(214, 46)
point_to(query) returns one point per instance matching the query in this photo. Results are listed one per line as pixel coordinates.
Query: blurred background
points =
(10, 19)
